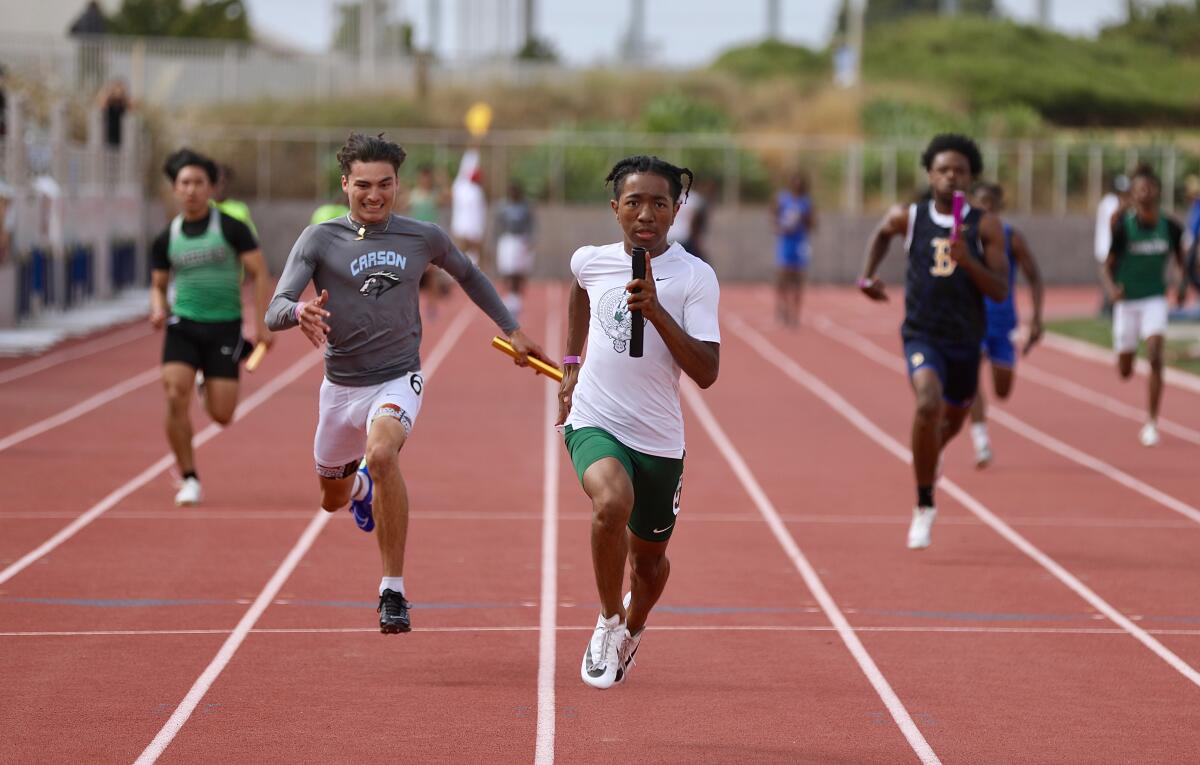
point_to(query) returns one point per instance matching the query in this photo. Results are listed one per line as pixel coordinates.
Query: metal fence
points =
(565, 166)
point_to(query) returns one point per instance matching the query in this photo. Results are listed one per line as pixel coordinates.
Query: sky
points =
(681, 32)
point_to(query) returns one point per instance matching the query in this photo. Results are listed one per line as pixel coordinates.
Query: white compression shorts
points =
(1135, 320)
(345, 415)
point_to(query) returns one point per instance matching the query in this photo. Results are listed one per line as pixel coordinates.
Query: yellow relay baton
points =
(539, 366)
(256, 357)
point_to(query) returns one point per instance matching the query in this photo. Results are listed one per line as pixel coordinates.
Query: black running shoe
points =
(393, 613)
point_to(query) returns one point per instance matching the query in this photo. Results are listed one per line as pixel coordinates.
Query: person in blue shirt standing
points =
(1192, 269)
(794, 219)
(1002, 320)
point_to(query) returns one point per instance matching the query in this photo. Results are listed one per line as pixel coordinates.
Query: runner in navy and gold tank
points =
(206, 250)
(948, 275)
(1002, 320)
(1144, 241)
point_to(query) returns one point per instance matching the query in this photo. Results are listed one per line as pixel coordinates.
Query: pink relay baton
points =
(960, 199)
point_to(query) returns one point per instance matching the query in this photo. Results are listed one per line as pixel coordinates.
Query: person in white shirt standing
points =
(468, 207)
(1113, 201)
(622, 415)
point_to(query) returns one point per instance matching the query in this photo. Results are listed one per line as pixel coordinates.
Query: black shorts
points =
(956, 367)
(215, 348)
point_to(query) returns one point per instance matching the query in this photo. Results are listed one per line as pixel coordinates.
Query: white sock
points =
(393, 583)
(360, 487)
(979, 433)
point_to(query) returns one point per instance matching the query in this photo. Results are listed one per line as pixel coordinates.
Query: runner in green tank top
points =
(206, 250)
(1135, 276)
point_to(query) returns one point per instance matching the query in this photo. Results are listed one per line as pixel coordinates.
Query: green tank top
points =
(1142, 267)
(422, 205)
(208, 273)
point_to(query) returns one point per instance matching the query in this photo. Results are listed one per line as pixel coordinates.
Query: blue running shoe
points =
(361, 508)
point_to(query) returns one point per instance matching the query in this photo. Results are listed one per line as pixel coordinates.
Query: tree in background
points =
(213, 19)
(882, 11)
(1175, 26)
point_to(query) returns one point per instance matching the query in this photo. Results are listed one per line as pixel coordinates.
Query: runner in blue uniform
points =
(947, 278)
(1002, 320)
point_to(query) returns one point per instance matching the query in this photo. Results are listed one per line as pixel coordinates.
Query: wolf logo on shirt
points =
(378, 283)
(615, 317)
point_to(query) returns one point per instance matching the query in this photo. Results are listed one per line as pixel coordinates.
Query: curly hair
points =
(956, 143)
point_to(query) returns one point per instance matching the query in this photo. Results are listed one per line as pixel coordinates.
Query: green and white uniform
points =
(1142, 254)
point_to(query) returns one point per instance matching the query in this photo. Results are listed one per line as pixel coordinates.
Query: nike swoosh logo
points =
(659, 531)
(660, 278)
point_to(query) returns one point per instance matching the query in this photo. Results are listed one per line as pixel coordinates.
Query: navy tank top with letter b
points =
(941, 302)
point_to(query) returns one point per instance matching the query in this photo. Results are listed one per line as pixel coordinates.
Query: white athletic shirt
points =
(468, 205)
(637, 400)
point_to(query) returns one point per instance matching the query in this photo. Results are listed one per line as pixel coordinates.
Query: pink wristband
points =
(865, 283)
(571, 360)
(299, 309)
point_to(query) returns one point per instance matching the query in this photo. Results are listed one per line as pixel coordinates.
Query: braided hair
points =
(643, 163)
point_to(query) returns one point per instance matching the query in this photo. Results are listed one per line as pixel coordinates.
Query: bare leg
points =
(797, 295)
(1125, 364)
(927, 435)
(979, 409)
(335, 492)
(220, 398)
(649, 570)
(1154, 352)
(178, 381)
(611, 491)
(390, 506)
(953, 418)
(1002, 381)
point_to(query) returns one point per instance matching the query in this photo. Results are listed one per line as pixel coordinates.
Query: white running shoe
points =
(922, 524)
(983, 455)
(189, 492)
(1149, 434)
(601, 666)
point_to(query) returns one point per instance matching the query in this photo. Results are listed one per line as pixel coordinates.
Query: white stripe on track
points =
(547, 631)
(882, 687)
(251, 403)
(1109, 404)
(83, 350)
(847, 410)
(1022, 428)
(584, 629)
(1082, 350)
(83, 407)
(182, 712)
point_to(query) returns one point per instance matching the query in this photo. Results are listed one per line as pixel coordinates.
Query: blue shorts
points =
(792, 253)
(998, 347)
(956, 367)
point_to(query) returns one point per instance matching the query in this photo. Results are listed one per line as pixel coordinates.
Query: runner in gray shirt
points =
(366, 268)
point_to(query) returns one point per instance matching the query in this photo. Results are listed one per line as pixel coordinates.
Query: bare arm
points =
(990, 276)
(158, 297)
(257, 271)
(698, 359)
(1108, 271)
(1033, 275)
(894, 223)
(579, 313)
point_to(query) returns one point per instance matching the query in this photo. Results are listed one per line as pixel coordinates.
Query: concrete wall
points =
(740, 242)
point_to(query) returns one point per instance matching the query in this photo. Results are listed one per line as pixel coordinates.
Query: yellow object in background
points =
(478, 119)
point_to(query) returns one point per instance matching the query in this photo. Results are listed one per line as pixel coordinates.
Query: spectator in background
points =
(8, 215)
(1192, 232)
(234, 208)
(691, 223)
(793, 218)
(425, 204)
(514, 245)
(113, 100)
(90, 21)
(468, 210)
(3, 103)
(1113, 201)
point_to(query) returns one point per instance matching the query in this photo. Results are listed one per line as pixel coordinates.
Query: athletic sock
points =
(359, 491)
(393, 583)
(979, 433)
(191, 474)
(924, 496)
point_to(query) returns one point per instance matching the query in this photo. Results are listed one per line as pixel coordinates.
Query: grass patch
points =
(1180, 353)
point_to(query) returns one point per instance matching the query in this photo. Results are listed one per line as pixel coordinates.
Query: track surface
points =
(115, 605)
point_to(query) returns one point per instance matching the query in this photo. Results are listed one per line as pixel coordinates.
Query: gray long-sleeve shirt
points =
(375, 321)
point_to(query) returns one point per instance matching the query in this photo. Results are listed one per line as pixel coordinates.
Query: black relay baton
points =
(637, 330)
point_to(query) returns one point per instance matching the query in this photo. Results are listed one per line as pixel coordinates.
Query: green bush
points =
(772, 58)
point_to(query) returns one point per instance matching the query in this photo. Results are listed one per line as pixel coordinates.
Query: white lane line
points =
(87, 406)
(1022, 428)
(547, 632)
(1079, 349)
(843, 407)
(83, 350)
(182, 712)
(251, 403)
(584, 628)
(1111, 405)
(882, 687)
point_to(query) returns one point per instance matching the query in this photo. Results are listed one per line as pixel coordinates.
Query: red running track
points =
(972, 651)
